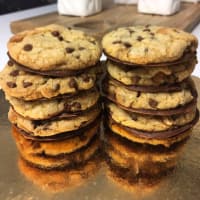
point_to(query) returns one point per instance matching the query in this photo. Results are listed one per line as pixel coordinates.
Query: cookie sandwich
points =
(50, 83)
(151, 100)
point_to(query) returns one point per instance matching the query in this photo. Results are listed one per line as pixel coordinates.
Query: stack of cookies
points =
(50, 82)
(151, 99)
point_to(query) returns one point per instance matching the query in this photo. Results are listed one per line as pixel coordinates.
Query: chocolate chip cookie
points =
(154, 76)
(45, 109)
(54, 47)
(60, 124)
(28, 86)
(144, 45)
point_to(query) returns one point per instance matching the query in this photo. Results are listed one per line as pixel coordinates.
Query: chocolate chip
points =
(78, 57)
(130, 30)
(73, 83)
(10, 63)
(14, 73)
(140, 38)
(69, 50)
(92, 41)
(35, 145)
(57, 87)
(117, 42)
(135, 80)
(146, 30)
(60, 38)
(159, 77)
(153, 103)
(55, 33)
(133, 116)
(81, 48)
(146, 50)
(85, 78)
(127, 44)
(27, 84)
(152, 35)
(138, 94)
(28, 47)
(76, 105)
(11, 85)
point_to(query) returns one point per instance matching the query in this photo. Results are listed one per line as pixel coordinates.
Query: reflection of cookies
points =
(140, 159)
(61, 161)
(28, 86)
(147, 122)
(150, 76)
(146, 45)
(34, 146)
(59, 124)
(158, 101)
(59, 180)
(54, 47)
(141, 186)
(45, 109)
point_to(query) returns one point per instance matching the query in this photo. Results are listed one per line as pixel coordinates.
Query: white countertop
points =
(5, 32)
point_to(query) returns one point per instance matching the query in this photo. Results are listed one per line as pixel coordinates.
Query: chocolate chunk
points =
(159, 77)
(133, 116)
(11, 85)
(60, 38)
(28, 47)
(146, 30)
(73, 83)
(135, 80)
(27, 84)
(127, 44)
(77, 57)
(153, 103)
(85, 78)
(81, 48)
(70, 50)
(130, 30)
(117, 42)
(14, 73)
(76, 105)
(138, 94)
(92, 41)
(57, 87)
(55, 33)
(140, 38)
(10, 63)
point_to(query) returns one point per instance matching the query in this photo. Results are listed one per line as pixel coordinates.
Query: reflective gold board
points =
(20, 182)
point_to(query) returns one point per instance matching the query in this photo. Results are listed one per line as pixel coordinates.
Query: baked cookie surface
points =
(54, 47)
(59, 124)
(148, 44)
(150, 123)
(151, 76)
(157, 101)
(20, 84)
(46, 109)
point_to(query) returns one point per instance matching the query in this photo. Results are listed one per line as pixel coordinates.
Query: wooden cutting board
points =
(114, 16)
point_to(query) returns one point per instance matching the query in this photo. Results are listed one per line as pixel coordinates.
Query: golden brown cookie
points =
(46, 109)
(148, 45)
(61, 160)
(60, 124)
(54, 47)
